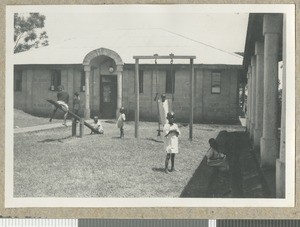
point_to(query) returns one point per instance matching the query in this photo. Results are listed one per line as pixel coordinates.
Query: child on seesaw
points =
(97, 126)
(172, 132)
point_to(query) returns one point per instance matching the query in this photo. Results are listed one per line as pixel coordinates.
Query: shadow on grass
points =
(119, 138)
(54, 140)
(156, 169)
(209, 181)
(155, 140)
(110, 122)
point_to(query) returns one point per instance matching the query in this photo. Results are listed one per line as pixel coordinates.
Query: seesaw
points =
(76, 118)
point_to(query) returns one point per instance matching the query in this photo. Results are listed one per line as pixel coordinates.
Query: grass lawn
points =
(22, 119)
(51, 163)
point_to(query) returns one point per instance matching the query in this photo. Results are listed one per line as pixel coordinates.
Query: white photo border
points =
(289, 201)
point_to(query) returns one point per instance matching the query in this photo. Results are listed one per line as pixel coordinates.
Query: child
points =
(120, 121)
(76, 103)
(213, 155)
(62, 100)
(97, 125)
(171, 140)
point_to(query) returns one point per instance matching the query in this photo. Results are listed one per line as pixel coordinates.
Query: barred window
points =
(170, 81)
(82, 81)
(18, 80)
(141, 81)
(216, 83)
(55, 80)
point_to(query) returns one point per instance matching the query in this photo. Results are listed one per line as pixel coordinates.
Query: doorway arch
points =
(87, 69)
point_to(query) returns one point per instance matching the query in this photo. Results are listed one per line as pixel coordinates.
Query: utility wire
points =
(174, 33)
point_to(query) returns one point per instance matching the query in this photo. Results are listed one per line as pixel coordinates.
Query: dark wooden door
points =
(108, 96)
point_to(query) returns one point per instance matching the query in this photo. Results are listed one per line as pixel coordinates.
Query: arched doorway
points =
(110, 70)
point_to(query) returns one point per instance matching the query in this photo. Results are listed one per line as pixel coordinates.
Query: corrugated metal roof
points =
(128, 43)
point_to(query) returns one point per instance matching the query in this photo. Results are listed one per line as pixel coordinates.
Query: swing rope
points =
(155, 62)
(172, 76)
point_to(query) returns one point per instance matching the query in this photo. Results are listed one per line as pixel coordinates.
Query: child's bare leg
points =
(167, 163)
(121, 132)
(53, 113)
(172, 162)
(65, 118)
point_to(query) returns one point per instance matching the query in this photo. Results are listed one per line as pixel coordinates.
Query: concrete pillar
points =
(70, 87)
(259, 98)
(280, 163)
(253, 95)
(119, 88)
(87, 110)
(249, 99)
(269, 141)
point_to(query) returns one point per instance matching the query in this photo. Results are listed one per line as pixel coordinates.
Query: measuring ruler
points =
(27, 222)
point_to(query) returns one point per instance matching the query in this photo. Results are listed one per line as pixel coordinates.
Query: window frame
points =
(215, 83)
(55, 79)
(18, 79)
(141, 81)
(170, 82)
(82, 81)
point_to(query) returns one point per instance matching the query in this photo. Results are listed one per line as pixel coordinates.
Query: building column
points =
(119, 88)
(253, 95)
(259, 104)
(280, 163)
(87, 110)
(249, 99)
(269, 141)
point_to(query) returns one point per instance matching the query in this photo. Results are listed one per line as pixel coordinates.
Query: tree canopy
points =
(28, 32)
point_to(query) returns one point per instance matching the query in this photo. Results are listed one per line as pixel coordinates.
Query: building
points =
(265, 48)
(102, 70)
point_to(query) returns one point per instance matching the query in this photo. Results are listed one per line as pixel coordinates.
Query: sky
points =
(225, 31)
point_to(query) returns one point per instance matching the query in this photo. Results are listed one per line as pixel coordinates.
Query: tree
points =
(28, 32)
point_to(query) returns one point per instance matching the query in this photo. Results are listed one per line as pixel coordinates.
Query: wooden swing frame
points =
(137, 95)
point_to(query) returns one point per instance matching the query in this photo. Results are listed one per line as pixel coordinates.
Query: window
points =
(141, 81)
(18, 80)
(170, 81)
(216, 83)
(82, 81)
(55, 80)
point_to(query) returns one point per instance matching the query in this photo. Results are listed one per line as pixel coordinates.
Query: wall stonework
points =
(211, 108)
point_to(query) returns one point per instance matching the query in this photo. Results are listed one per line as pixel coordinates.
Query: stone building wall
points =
(208, 107)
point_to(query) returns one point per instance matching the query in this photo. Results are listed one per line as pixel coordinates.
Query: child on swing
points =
(172, 132)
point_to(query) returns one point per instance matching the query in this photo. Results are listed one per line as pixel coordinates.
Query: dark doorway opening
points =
(108, 96)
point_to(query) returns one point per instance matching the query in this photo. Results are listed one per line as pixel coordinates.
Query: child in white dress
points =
(120, 121)
(172, 132)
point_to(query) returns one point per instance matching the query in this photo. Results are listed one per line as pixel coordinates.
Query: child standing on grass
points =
(120, 121)
(97, 126)
(76, 103)
(172, 132)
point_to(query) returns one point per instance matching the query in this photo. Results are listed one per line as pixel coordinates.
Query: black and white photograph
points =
(150, 105)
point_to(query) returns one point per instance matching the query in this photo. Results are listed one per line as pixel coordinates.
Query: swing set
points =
(136, 85)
